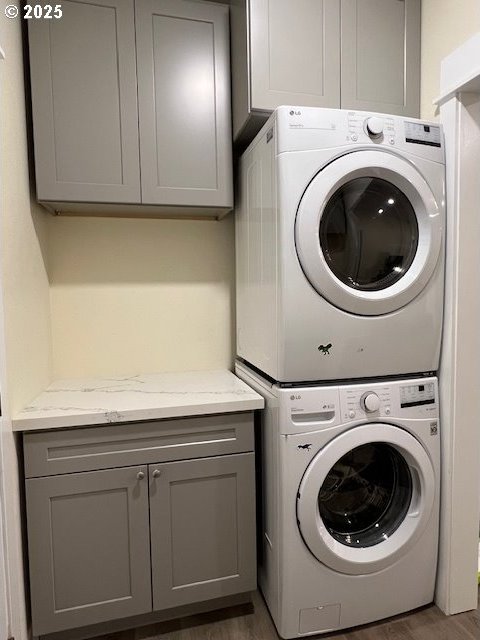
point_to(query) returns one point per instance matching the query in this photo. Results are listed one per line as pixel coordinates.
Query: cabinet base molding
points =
(229, 606)
(134, 210)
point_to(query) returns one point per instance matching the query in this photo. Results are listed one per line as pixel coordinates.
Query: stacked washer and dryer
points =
(340, 267)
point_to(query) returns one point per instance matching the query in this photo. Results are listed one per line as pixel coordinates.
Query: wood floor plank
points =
(386, 631)
(247, 623)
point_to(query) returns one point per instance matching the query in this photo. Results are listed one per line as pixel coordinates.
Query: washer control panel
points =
(415, 398)
(312, 408)
(416, 395)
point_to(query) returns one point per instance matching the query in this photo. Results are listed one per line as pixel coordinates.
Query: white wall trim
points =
(5, 604)
(457, 588)
(460, 71)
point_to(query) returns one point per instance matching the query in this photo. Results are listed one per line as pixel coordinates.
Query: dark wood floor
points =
(247, 623)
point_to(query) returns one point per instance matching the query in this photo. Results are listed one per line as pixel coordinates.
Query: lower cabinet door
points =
(202, 519)
(89, 547)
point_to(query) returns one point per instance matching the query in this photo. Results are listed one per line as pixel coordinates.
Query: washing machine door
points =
(368, 232)
(366, 498)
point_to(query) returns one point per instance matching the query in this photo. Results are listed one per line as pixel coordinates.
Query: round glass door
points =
(366, 495)
(368, 232)
(365, 498)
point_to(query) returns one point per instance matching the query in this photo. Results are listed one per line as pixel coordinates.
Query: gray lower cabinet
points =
(111, 538)
(89, 555)
(202, 529)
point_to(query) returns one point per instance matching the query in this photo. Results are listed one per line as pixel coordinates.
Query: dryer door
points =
(368, 232)
(366, 498)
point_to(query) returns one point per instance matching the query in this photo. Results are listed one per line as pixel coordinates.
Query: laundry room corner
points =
(239, 319)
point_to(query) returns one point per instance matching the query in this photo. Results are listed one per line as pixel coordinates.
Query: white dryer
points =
(340, 246)
(350, 495)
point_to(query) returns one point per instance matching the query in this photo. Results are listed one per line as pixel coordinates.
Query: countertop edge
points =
(90, 419)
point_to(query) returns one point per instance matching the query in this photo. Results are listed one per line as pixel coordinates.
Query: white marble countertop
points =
(82, 402)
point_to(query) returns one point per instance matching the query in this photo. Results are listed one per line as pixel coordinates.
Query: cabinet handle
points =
(156, 473)
(140, 475)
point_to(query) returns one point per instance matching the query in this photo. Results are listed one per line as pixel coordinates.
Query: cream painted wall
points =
(446, 24)
(23, 242)
(140, 295)
(25, 361)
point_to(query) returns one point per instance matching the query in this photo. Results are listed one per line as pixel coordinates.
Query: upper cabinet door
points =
(294, 53)
(381, 56)
(184, 103)
(85, 118)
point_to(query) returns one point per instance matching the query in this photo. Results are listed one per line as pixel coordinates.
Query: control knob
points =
(374, 126)
(370, 402)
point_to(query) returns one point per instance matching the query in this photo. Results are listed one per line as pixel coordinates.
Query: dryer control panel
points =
(420, 133)
(300, 128)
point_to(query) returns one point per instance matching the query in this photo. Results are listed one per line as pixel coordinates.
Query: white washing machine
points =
(340, 246)
(350, 495)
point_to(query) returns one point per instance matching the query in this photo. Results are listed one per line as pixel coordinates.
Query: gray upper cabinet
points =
(184, 103)
(83, 76)
(380, 56)
(131, 108)
(89, 547)
(353, 54)
(299, 59)
(202, 518)
(283, 53)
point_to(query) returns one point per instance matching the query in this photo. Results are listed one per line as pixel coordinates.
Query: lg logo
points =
(295, 113)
